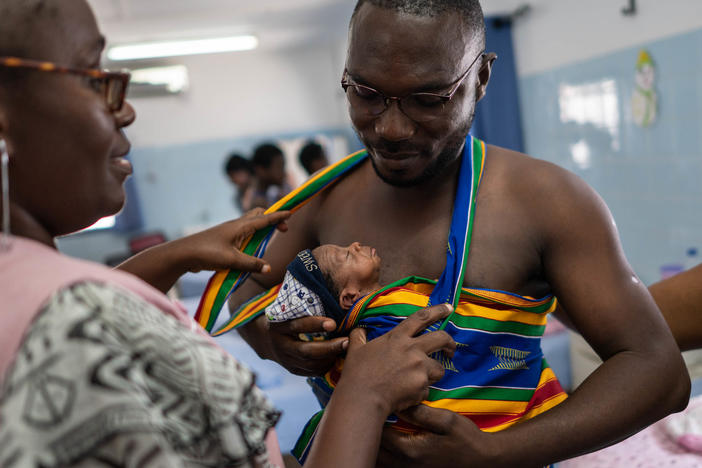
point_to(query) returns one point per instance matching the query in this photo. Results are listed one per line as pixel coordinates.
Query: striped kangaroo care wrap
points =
(498, 375)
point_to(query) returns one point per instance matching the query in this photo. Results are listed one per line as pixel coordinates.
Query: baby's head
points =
(350, 272)
(326, 281)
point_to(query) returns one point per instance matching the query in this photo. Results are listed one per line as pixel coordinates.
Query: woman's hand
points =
(216, 248)
(397, 368)
(390, 373)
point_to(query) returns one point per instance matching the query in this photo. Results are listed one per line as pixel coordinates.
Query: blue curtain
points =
(497, 116)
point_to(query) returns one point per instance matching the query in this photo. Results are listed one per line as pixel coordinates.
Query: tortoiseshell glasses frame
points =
(111, 84)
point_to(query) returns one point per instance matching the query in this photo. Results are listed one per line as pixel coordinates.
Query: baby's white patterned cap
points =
(294, 301)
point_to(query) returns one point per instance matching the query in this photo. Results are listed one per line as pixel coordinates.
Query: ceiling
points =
(277, 23)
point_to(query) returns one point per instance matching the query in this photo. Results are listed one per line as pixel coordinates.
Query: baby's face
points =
(355, 264)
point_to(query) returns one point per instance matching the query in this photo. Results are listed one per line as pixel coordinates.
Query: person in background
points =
(313, 157)
(241, 174)
(97, 366)
(270, 183)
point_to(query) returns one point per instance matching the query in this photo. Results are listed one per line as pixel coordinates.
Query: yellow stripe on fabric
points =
(249, 311)
(210, 296)
(400, 297)
(547, 375)
(501, 427)
(546, 405)
(280, 203)
(479, 406)
(509, 315)
(510, 299)
(537, 410)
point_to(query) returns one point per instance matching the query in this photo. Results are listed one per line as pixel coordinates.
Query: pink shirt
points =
(31, 272)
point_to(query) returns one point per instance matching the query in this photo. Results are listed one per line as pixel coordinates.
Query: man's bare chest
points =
(501, 257)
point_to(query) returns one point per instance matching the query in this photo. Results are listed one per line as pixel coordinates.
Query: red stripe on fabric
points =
(545, 392)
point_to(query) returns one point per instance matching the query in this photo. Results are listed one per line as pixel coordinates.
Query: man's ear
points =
(349, 295)
(484, 75)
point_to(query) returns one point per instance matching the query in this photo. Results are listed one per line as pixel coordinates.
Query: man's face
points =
(398, 54)
(65, 145)
(355, 265)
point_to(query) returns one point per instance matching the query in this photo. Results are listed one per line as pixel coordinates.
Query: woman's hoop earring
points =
(5, 191)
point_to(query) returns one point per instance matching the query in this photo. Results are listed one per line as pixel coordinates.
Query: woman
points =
(97, 367)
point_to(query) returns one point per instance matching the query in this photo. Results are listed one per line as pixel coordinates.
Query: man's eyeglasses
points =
(112, 85)
(420, 107)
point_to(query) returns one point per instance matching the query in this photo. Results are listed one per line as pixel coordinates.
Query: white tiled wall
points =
(579, 116)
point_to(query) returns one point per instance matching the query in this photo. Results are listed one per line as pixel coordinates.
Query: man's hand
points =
(310, 358)
(450, 440)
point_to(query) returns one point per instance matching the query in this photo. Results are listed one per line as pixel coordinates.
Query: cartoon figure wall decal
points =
(644, 102)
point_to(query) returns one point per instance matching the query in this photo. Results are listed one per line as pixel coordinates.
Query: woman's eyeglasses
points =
(112, 85)
(420, 107)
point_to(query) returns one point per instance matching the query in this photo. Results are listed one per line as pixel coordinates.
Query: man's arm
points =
(643, 377)
(641, 380)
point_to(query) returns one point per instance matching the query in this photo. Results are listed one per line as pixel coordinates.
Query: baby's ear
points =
(348, 297)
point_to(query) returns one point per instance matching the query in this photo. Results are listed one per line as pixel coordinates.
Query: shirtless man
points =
(538, 230)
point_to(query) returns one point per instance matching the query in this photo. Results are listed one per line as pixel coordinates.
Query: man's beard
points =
(437, 168)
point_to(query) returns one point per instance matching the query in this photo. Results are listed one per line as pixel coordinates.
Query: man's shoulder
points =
(525, 175)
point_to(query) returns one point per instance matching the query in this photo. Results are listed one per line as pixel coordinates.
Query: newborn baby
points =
(326, 281)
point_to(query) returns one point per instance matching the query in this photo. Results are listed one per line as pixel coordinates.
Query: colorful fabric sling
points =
(498, 375)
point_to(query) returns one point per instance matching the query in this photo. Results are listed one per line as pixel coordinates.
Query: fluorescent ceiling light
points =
(183, 47)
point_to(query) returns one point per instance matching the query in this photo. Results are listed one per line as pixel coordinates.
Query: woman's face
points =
(66, 148)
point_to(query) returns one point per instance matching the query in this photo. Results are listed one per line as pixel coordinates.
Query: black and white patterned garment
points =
(103, 378)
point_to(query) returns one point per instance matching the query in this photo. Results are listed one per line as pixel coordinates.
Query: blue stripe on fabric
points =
(446, 287)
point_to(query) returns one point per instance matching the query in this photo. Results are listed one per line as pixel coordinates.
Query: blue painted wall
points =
(579, 117)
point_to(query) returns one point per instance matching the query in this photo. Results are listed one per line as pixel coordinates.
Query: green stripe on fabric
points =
(473, 323)
(482, 393)
(489, 325)
(307, 434)
(395, 310)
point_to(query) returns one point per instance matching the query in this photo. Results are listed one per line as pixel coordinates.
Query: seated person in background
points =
(497, 348)
(241, 174)
(312, 157)
(271, 183)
